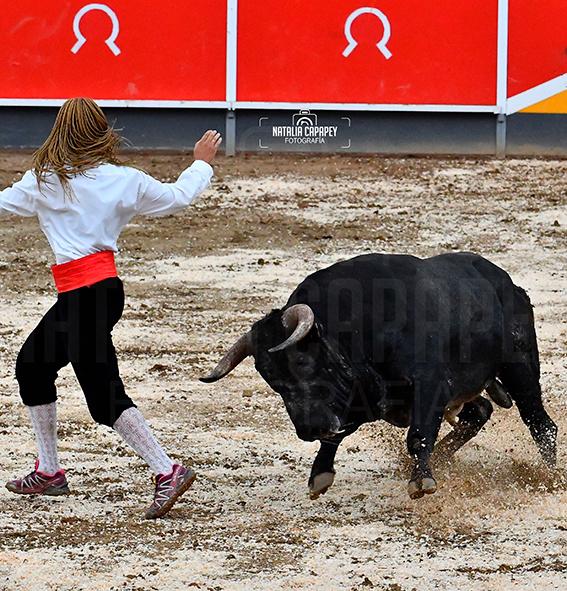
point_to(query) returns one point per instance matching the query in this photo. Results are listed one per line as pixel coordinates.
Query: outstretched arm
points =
(18, 199)
(156, 198)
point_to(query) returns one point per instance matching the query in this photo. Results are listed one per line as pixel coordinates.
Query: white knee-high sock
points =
(44, 422)
(133, 428)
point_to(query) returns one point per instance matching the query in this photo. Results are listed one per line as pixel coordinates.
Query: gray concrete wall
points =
(177, 129)
(533, 133)
(375, 132)
(358, 131)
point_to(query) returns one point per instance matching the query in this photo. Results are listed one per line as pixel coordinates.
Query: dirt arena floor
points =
(194, 283)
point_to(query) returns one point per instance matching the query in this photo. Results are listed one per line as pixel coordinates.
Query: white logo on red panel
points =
(81, 39)
(382, 44)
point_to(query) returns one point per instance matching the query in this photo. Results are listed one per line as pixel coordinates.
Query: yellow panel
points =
(555, 104)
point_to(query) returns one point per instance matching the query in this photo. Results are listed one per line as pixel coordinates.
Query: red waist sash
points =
(85, 271)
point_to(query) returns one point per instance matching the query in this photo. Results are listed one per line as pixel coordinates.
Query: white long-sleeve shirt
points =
(104, 200)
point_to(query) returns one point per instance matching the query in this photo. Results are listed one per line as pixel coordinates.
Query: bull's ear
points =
(235, 355)
(298, 320)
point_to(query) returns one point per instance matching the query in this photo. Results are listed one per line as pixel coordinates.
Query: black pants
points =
(77, 330)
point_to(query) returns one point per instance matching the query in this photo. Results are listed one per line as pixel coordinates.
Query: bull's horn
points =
(299, 319)
(237, 353)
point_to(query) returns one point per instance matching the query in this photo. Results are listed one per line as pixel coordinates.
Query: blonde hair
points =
(81, 138)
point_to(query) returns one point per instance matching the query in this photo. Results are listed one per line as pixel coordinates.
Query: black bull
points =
(406, 340)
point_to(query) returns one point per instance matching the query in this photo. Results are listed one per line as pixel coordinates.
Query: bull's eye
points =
(302, 364)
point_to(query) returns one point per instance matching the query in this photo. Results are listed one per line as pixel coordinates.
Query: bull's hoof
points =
(320, 484)
(421, 486)
(549, 456)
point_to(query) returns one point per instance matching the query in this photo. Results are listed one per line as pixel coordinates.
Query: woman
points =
(83, 196)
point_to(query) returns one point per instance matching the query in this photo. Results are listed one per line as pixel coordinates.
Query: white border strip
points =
(258, 105)
(368, 107)
(17, 102)
(536, 94)
(502, 56)
(231, 51)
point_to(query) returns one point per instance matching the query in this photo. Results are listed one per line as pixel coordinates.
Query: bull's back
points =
(368, 276)
(385, 308)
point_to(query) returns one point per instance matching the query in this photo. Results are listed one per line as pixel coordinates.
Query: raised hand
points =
(206, 148)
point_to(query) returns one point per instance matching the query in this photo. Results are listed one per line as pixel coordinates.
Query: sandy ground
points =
(197, 280)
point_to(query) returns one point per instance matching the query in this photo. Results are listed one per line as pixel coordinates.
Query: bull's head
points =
(295, 358)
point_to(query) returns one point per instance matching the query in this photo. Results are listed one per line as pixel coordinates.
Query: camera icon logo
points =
(304, 118)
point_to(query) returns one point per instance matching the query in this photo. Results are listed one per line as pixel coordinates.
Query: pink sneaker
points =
(169, 487)
(38, 483)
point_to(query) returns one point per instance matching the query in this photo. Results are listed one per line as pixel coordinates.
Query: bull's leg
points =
(522, 382)
(323, 471)
(430, 399)
(520, 376)
(471, 420)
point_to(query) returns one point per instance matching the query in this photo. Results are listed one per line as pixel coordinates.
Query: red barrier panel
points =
(383, 52)
(537, 43)
(143, 50)
(441, 52)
